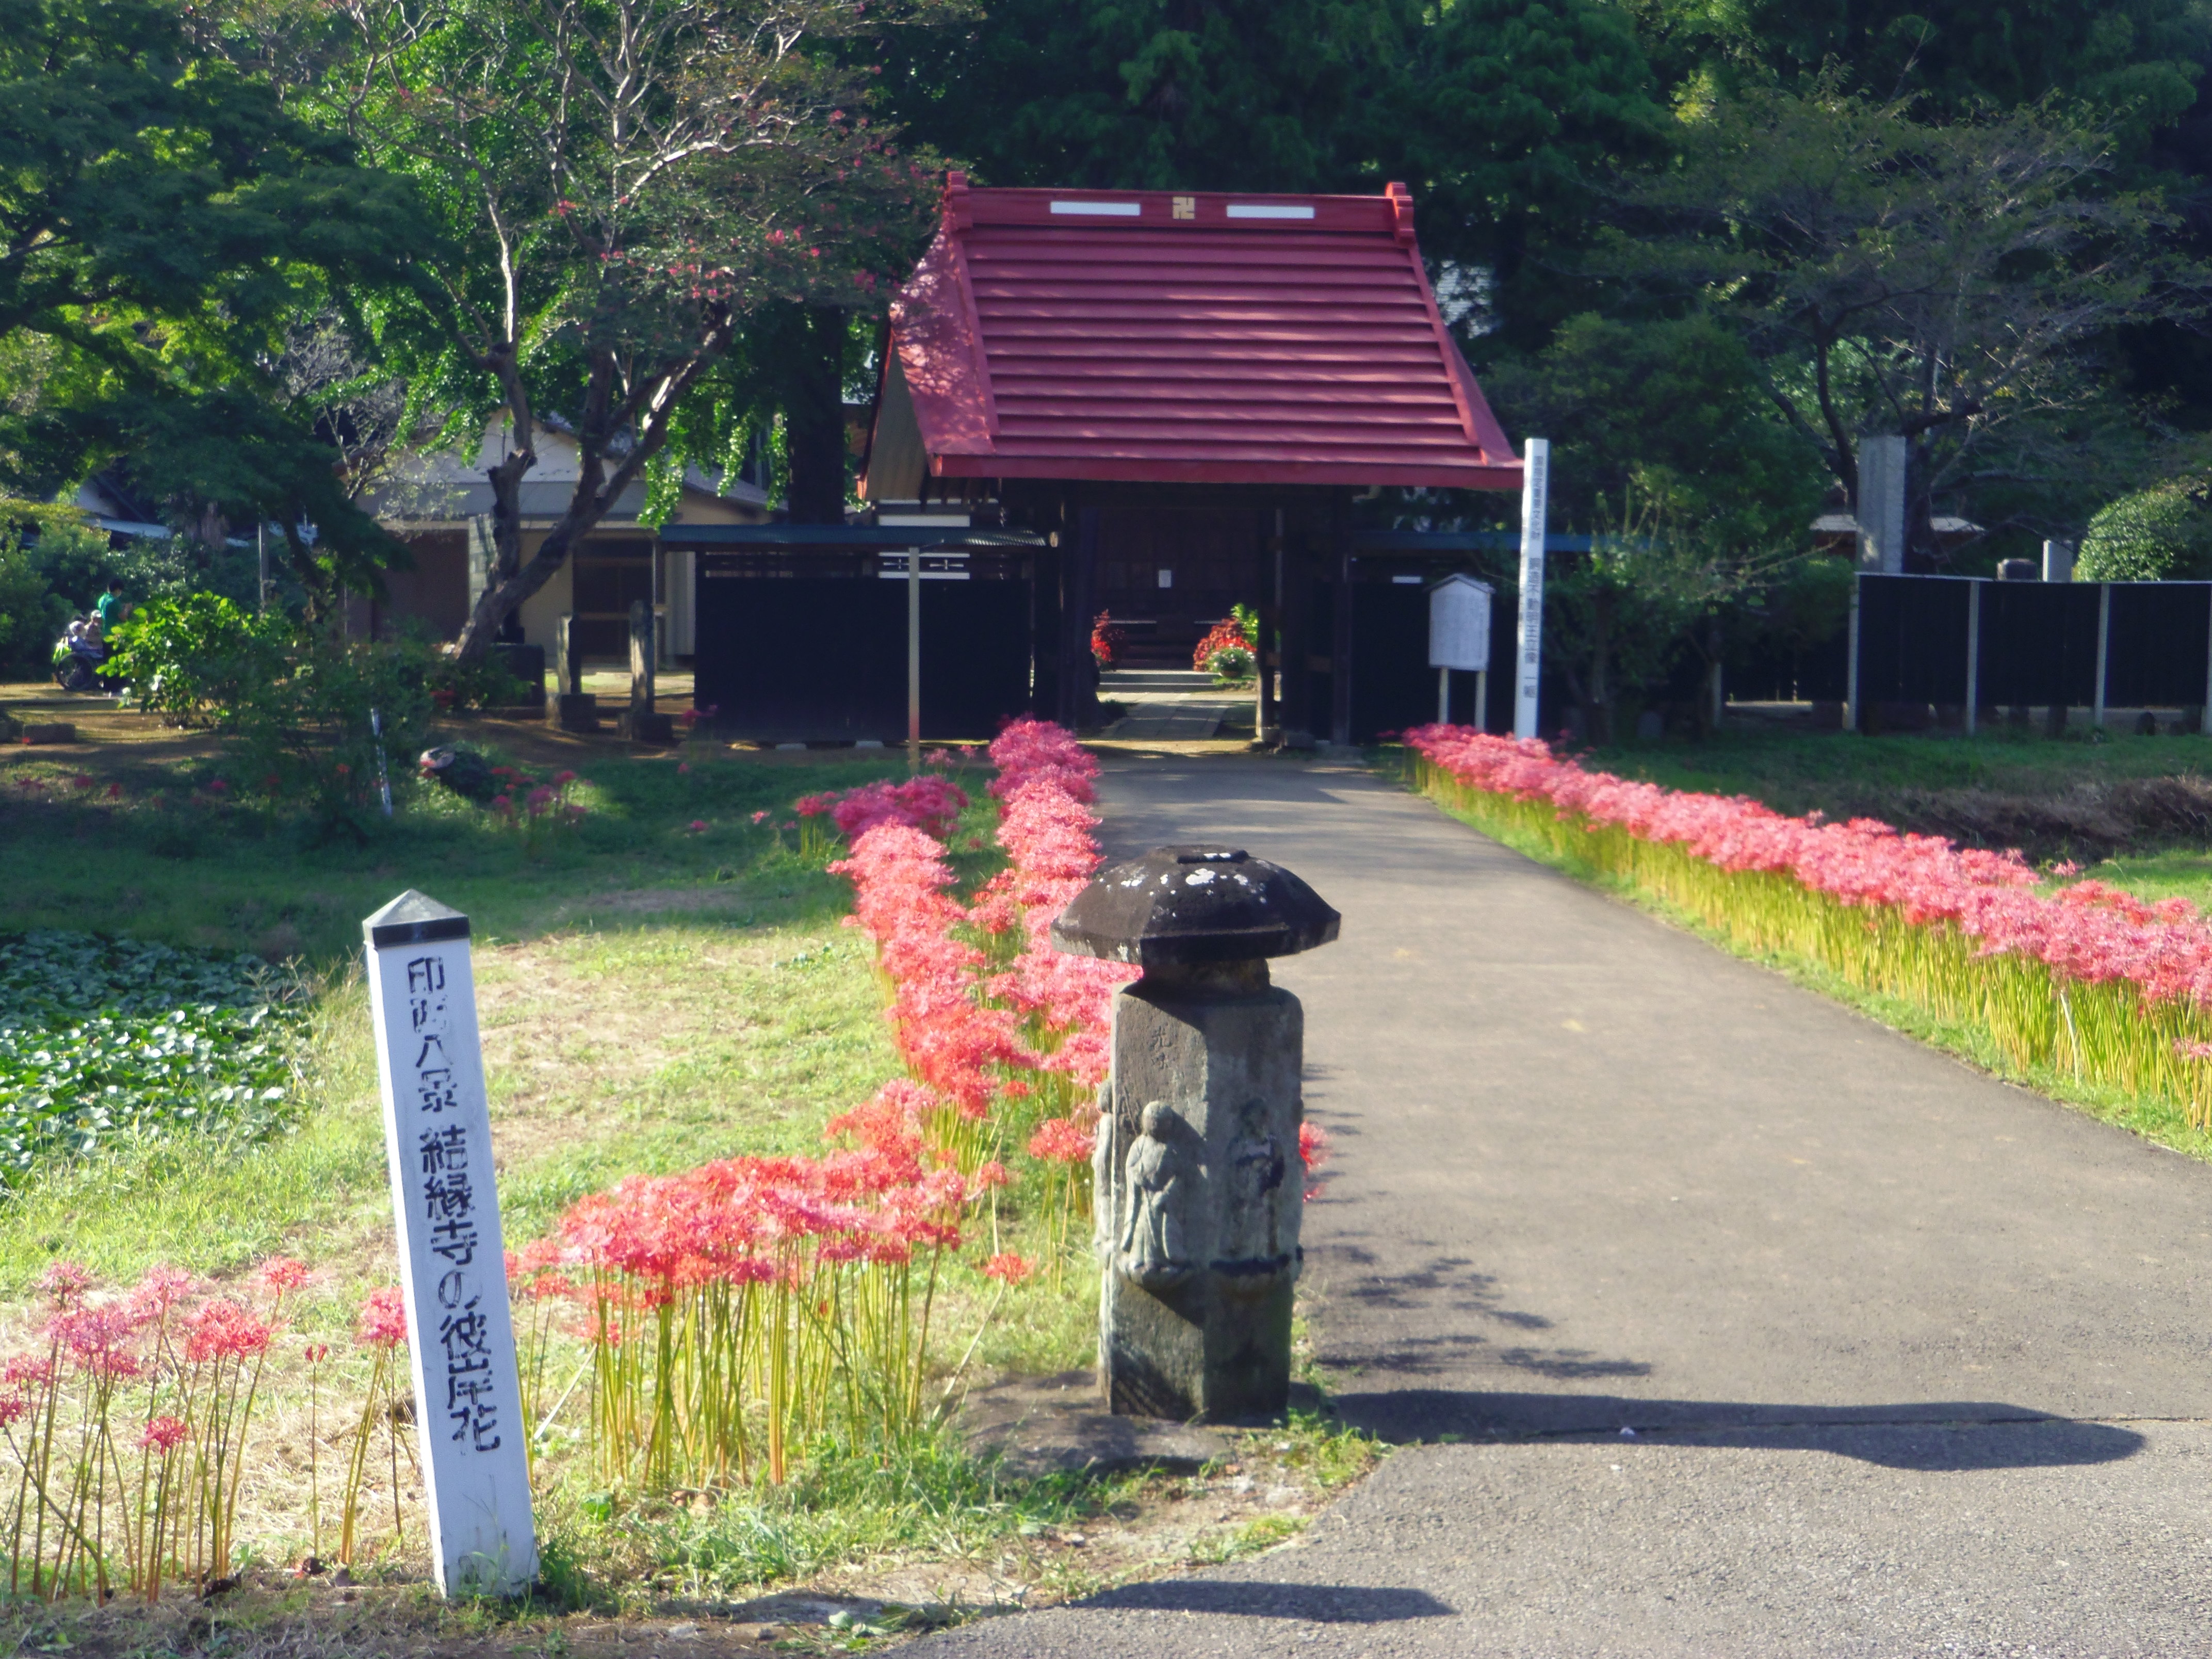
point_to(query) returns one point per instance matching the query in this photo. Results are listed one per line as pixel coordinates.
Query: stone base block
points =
(1199, 1199)
(640, 727)
(578, 711)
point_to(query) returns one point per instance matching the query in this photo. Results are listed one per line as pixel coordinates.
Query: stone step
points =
(1115, 681)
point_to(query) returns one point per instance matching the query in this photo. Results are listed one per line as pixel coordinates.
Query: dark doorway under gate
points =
(1168, 574)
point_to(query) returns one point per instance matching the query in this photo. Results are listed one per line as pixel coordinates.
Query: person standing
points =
(111, 609)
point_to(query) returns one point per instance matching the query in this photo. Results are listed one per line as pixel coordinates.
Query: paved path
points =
(1916, 1361)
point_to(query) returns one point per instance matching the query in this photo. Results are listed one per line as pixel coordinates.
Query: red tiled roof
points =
(1158, 337)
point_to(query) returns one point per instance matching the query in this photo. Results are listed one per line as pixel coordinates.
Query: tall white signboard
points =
(437, 1140)
(1529, 662)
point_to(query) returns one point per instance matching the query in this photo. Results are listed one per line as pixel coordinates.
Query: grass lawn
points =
(667, 983)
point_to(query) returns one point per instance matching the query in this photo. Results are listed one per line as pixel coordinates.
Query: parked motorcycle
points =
(80, 659)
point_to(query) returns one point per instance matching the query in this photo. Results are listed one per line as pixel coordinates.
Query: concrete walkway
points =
(1169, 705)
(1915, 1362)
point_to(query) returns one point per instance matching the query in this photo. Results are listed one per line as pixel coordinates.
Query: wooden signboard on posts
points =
(452, 1269)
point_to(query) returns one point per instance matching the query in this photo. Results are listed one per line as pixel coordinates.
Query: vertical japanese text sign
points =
(1529, 665)
(437, 1140)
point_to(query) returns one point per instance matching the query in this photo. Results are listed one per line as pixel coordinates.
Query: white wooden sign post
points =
(1535, 490)
(1459, 637)
(437, 1140)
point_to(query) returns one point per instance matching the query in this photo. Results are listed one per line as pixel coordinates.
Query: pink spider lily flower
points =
(381, 1321)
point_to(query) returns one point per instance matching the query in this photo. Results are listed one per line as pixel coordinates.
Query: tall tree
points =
(2135, 63)
(614, 191)
(1499, 113)
(163, 218)
(1950, 283)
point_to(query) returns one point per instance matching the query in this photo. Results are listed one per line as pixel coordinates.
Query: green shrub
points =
(483, 683)
(198, 660)
(298, 710)
(2151, 536)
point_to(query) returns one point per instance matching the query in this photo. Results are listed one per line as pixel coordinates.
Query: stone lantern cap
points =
(1181, 906)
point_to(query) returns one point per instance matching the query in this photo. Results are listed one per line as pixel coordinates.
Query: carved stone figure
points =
(1152, 1250)
(1105, 1187)
(1251, 1233)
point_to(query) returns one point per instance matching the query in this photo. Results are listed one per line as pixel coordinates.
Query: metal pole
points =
(2104, 642)
(1443, 696)
(914, 659)
(383, 773)
(1973, 651)
(1852, 663)
(2204, 719)
(1482, 700)
(1536, 488)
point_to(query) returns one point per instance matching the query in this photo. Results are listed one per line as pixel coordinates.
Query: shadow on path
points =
(1324, 1604)
(1931, 1435)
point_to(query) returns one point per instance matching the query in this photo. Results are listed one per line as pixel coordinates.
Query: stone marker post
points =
(1197, 1178)
(643, 724)
(452, 1269)
(577, 709)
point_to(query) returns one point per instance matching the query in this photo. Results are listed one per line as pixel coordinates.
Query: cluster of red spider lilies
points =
(2073, 977)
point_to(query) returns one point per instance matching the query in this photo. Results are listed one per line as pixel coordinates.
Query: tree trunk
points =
(645, 415)
(814, 416)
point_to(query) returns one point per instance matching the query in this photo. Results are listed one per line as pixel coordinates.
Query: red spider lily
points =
(1009, 1269)
(761, 816)
(82, 780)
(697, 825)
(381, 1321)
(161, 1288)
(1314, 1151)
(563, 779)
(1313, 1148)
(1061, 1140)
(280, 1275)
(220, 1328)
(163, 1434)
(115, 792)
(927, 803)
(2086, 978)
(65, 1283)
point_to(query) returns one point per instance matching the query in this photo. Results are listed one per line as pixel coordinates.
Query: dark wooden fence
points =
(803, 644)
(1924, 646)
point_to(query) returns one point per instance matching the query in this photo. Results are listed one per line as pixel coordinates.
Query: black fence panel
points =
(2039, 642)
(812, 646)
(2159, 642)
(1912, 640)
(1393, 686)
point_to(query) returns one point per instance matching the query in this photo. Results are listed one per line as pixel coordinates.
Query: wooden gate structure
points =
(1170, 402)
